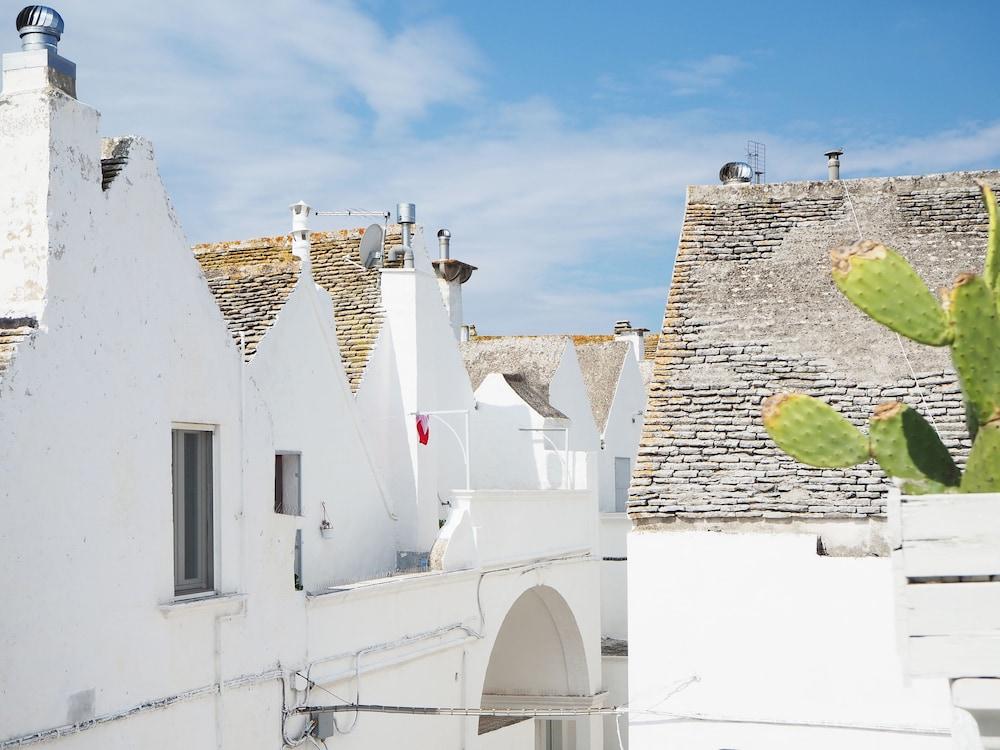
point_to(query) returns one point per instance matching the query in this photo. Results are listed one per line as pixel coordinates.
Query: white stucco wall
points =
(781, 641)
(301, 377)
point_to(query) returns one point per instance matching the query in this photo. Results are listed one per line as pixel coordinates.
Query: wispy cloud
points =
(698, 76)
(572, 224)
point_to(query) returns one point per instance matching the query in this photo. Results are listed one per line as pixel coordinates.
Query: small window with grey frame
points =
(623, 475)
(193, 490)
(288, 483)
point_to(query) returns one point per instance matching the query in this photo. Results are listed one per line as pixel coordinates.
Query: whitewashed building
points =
(219, 518)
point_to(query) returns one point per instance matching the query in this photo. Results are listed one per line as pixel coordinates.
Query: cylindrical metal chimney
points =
(833, 163)
(40, 27)
(406, 217)
(444, 243)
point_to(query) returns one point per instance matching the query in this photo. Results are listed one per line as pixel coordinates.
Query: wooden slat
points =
(952, 608)
(946, 535)
(954, 656)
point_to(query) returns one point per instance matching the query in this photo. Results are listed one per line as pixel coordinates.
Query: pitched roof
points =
(601, 364)
(752, 311)
(526, 362)
(251, 280)
(12, 332)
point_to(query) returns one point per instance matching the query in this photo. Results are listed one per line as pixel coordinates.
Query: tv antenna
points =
(756, 158)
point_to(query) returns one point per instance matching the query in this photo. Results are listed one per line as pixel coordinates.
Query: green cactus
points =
(982, 470)
(975, 350)
(813, 432)
(991, 271)
(907, 447)
(882, 284)
(885, 286)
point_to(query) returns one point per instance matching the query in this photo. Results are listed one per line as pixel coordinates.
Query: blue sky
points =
(554, 139)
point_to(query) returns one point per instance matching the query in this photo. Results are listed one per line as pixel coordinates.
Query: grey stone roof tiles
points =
(752, 311)
(526, 362)
(251, 281)
(601, 365)
(13, 331)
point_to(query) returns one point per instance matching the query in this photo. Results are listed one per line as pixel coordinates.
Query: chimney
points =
(833, 163)
(406, 217)
(451, 275)
(38, 64)
(50, 163)
(636, 338)
(300, 234)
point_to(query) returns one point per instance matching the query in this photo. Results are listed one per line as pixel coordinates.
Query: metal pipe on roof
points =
(444, 244)
(833, 164)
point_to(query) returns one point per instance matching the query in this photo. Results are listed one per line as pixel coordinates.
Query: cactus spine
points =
(882, 284)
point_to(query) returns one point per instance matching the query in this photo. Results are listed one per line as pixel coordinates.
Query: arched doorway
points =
(538, 661)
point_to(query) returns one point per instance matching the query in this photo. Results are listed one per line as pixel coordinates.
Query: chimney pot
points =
(444, 243)
(833, 163)
(40, 27)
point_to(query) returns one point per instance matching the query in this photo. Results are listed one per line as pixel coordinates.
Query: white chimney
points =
(636, 338)
(451, 275)
(300, 234)
(50, 162)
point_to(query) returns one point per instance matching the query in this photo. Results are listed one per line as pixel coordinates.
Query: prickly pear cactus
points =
(882, 284)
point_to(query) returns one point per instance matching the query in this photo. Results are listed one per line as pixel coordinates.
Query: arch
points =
(538, 650)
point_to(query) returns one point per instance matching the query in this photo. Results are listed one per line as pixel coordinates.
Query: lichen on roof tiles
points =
(601, 365)
(251, 280)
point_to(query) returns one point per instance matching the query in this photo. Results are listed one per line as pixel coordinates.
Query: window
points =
(192, 487)
(623, 474)
(287, 487)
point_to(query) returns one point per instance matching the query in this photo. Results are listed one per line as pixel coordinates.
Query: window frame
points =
(205, 583)
(624, 506)
(279, 459)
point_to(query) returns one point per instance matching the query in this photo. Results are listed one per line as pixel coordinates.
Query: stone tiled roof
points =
(650, 340)
(752, 311)
(251, 280)
(601, 365)
(12, 332)
(613, 646)
(526, 362)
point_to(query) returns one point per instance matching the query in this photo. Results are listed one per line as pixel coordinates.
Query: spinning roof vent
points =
(735, 171)
(40, 27)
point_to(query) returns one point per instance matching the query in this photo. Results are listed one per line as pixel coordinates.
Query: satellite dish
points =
(371, 247)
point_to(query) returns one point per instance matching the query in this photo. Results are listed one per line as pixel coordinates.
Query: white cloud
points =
(573, 226)
(697, 76)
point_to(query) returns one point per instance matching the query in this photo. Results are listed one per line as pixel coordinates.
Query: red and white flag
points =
(423, 428)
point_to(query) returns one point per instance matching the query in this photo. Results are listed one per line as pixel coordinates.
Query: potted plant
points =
(945, 521)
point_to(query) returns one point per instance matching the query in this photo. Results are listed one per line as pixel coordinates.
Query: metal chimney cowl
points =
(38, 65)
(40, 27)
(735, 172)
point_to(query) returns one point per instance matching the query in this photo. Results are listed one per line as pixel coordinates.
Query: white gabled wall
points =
(301, 377)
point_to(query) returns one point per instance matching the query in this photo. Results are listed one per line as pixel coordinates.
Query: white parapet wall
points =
(754, 641)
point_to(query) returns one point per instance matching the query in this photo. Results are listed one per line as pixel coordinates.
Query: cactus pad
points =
(975, 350)
(813, 432)
(982, 470)
(991, 272)
(880, 282)
(907, 447)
